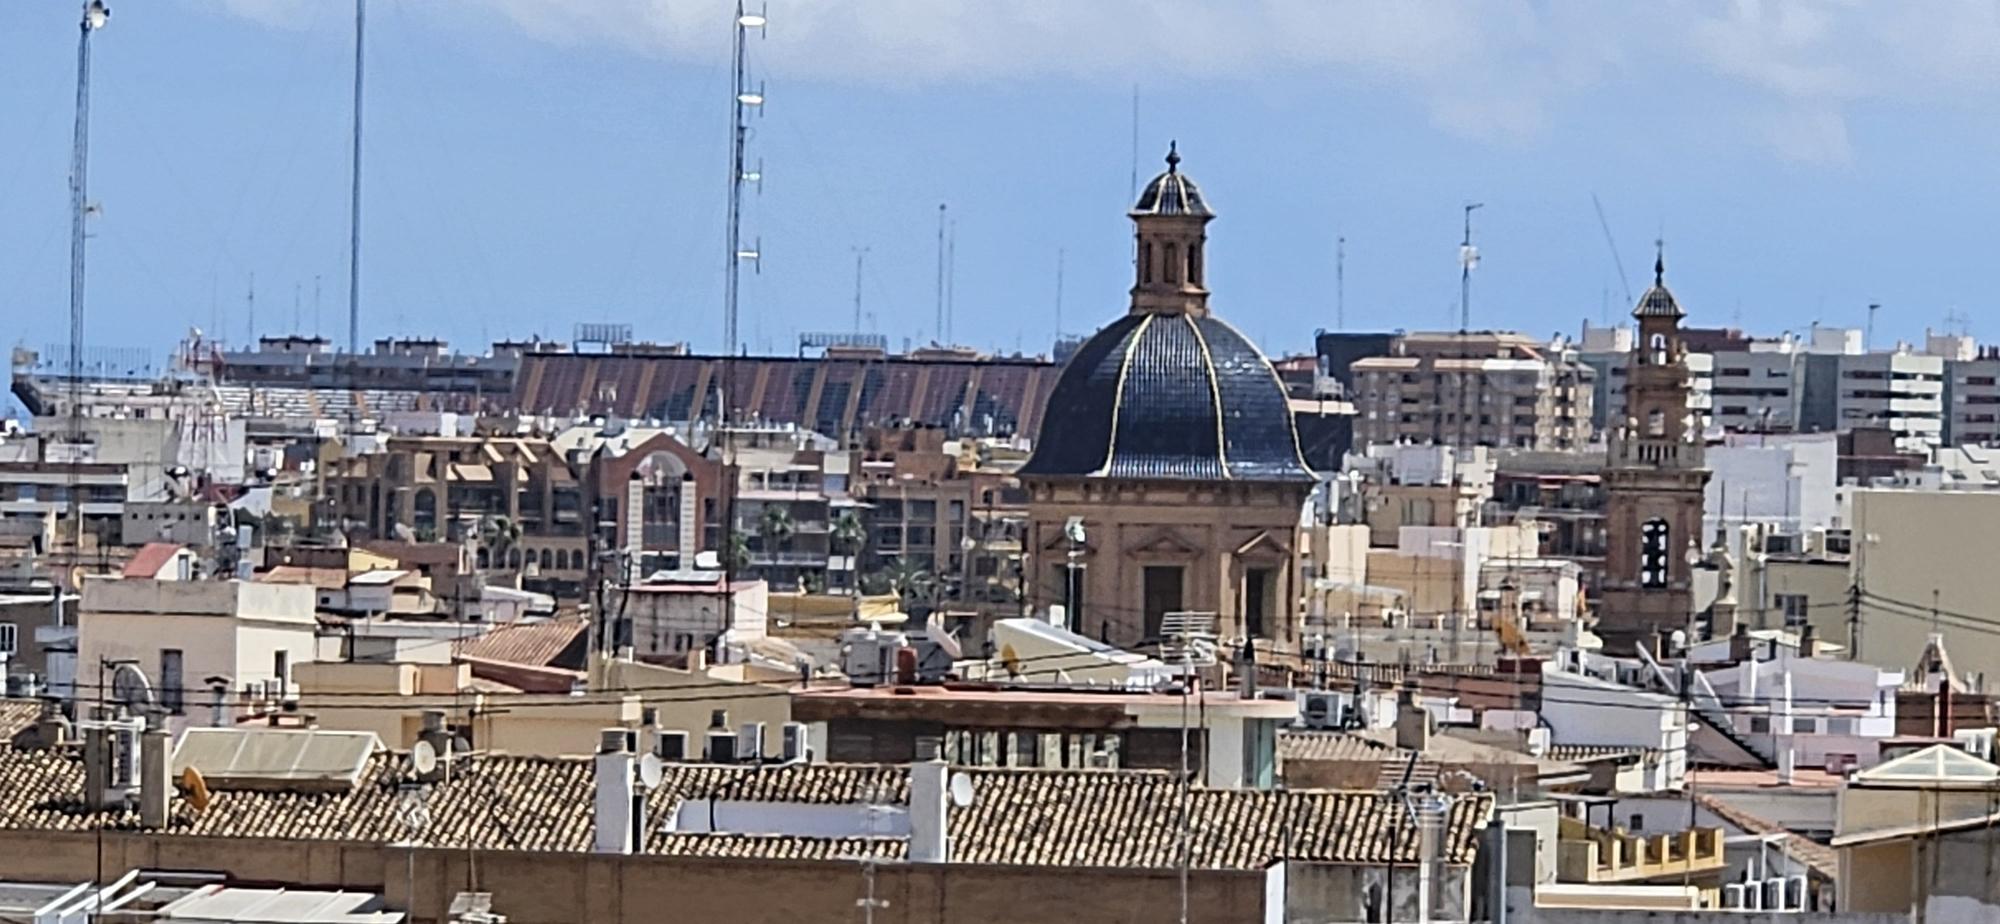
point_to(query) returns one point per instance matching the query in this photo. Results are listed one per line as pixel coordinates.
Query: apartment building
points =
(458, 489)
(1475, 389)
(1900, 390)
(1759, 388)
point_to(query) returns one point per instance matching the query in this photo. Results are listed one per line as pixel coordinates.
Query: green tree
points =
(736, 554)
(848, 533)
(911, 582)
(776, 528)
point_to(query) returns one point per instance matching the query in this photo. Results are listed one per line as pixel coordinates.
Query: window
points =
(1760, 725)
(1653, 546)
(1146, 263)
(1194, 265)
(1259, 590)
(1659, 349)
(1162, 595)
(172, 695)
(1794, 606)
(1173, 263)
(281, 670)
(10, 638)
(1805, 726)
(1656, 422)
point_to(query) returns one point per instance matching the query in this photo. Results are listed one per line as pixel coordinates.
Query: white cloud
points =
(1790, 69)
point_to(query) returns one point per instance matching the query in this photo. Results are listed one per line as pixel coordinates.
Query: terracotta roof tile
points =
(150, 558)
(540, 644)
(1018, 817)
(1820, 857)
(17, 716)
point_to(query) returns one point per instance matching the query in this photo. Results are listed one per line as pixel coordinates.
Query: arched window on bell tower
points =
(1653, 553)
(1173, 260)
(1656, 350)
(1146, 263)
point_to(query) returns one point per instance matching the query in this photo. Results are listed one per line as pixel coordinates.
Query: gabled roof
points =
(537, 644)
(150, 559)
(1939, 764)
(1819, 857)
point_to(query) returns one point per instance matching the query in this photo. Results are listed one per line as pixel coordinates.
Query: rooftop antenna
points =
(1868, 334)
(860, 254)
(746, 100)
(315, 304)
(1340, 283)
(950, 277)
(1134, 182)
(250, 307)
(95, 15)
(1468, 257)
(938, 324)
(354, 226)
(1059, 292)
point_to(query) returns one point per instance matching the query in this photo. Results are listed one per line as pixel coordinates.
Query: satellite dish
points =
(423, 758)
(1073, 530)
(130, 687)
(652, 770)
(461, 745)
(961, 790)
(196, 788)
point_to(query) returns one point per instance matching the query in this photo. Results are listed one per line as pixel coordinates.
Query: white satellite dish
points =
(423, 758)
(652, 770)
(961, 790)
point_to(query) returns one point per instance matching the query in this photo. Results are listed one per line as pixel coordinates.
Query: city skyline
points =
(528, 170)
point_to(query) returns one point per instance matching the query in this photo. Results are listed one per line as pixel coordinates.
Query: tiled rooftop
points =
(1026, 817)
(539, 644)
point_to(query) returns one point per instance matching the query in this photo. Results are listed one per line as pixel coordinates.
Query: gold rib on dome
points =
(1215, 395)
(1118, 395)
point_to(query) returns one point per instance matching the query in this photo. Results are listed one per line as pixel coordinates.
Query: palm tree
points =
(910, 582)
(776, 528)
(848, 534)
(501, 536)
(736, 554)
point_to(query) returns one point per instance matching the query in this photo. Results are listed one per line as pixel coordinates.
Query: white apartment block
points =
(1759, 389)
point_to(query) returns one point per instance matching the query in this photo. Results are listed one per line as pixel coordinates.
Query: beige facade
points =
(390, 699)
(688, 700)
(1917, 549)
(182, 632)
(1153, 548)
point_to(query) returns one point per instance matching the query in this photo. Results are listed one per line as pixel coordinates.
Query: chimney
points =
(1808, 641)
(1788, 760)
(1413, 723)
(1430, 829)
(96, 763)
(929, 802)
(1246, 670)
(154, 778)
(617, 824)
(1739, 643)
(1944, 706)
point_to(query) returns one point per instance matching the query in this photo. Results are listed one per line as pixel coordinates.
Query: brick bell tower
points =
(1654, 479)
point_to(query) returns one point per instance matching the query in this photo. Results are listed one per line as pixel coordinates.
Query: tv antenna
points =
(95, 16)
(746, 100)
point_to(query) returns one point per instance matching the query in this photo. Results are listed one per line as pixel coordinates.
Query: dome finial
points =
(1173, 157)
(1659, 261)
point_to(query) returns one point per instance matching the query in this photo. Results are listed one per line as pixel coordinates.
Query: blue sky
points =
(534, 163)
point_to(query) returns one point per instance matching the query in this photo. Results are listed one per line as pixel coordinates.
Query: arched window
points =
(483, 557)
(1173, 263)
(514, 558)
(1146, 264)
(1658, 349)
(1653, 547)
(1194, 264)
(548, 560)
(1656, 422)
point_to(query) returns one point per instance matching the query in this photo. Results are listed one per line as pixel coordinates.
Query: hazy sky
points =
(533, 163)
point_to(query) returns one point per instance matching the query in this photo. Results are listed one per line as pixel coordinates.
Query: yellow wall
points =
(687, 700)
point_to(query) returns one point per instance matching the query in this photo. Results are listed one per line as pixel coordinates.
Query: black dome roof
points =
(1174, 396)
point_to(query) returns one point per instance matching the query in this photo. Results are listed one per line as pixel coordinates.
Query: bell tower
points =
(1654, 479)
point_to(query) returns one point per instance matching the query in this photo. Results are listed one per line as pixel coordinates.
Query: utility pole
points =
(95, 15)
(1059, 293)
(1468, 257)
(1340, 283)
(1868, 336)
(937, 325)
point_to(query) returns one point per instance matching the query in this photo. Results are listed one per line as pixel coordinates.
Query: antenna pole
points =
(1059, 292)
(745, 98)
(354, 190)
(938, 324)
(79, 210)
(1340, 283)
(950, 279)
(1133, 192)
(860, 253)
(1868, 337)
(1468, 257)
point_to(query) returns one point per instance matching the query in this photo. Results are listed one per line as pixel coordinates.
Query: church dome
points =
(1170, 396)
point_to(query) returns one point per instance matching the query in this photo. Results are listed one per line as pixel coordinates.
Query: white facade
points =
(1901, 391)
(1583, 709)
(1759, 389)
(1973, 416)
(250, 633)
(1809, 712)
(676, 619)
(1786, 480)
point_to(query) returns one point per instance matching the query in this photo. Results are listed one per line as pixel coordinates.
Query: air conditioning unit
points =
(1732, 896)
(1319, 709)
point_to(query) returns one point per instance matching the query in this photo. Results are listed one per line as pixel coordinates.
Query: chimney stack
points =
(155, 780)
(617, 824)
(929, 803)
(1413, 723)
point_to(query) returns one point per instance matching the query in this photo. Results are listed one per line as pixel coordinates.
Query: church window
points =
(1146, 264)
(1173, 263)
(1658, 348)
(1656, 422)
(1260, 590)
(1162, 595)
(1194, 264)
(1653, 546)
